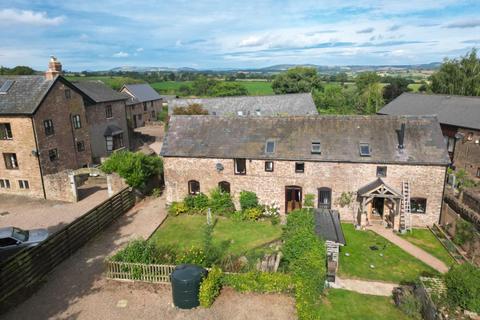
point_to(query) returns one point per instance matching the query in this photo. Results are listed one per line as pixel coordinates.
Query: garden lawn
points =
(342, 304)
(391, 263)
(425, 239)
(185, 231)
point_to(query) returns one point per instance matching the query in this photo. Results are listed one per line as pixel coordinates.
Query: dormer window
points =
(240, 113)
(365, 150)
(316, 147)
(258, 112)
(270, 146)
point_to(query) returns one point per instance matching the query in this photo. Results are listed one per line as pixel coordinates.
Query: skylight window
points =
(270, 146)
(240, 113)
(365, 150)
(258, 112)
(6, 86)
(316, 147)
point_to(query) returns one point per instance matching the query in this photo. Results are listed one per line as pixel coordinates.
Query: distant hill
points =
(283, 67)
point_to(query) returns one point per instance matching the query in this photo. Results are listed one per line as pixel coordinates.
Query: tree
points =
(364, 79)
(225, 89)
(396, 86)
(184, 90)
(370, 100)
(295, 80)
(334, 99)
(202, 84)
(458, 76)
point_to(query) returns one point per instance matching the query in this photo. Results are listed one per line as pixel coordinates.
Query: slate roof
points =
(340, 136)
(112, 130)
(272, 105)
(99, 92)
(459, 111)
(141, 93)
(328, 226)
(24, 95)
(374, 185)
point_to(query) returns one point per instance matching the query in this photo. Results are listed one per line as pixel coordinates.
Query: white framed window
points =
(23, 184)
(4, 184)
(5, 131)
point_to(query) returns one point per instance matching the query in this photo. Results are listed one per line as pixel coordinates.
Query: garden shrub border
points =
(210, 287)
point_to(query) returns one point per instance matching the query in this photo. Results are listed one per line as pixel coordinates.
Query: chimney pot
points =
(54, 68)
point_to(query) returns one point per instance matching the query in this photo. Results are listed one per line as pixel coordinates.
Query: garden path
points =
(365, 286)
(410, 248)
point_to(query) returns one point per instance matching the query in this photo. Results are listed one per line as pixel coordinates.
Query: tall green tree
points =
(395, 87)
(458, 76)
(201, 85)
(365, 79)
(225, 89)
(334, 99)
(296, 80)
(370, 99)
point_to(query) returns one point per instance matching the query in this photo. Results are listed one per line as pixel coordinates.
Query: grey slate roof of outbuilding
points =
(272, 105)
(328, 226)
(141, 93)
(459, 111)
(245, 137)
(99, 92)
(24, 95)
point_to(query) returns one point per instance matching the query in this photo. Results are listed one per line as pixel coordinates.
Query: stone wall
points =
(23, 145)
(467, 152)
(115, 183)
(61, 186)
(425, 181)
(60, 109)
(98, 123)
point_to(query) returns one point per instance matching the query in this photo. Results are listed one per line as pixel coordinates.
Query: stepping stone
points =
(122, 303)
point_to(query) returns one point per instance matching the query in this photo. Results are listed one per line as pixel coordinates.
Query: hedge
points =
(210, 287)
(263, 282)
(463, 287)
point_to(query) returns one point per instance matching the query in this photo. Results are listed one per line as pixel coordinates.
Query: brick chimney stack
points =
(54, 68)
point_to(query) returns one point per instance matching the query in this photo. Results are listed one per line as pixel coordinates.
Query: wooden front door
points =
(293, 198)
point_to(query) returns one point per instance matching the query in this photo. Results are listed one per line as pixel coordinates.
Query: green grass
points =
(424, 239)
(394, 266)
(341, 304)
(254, 88)
(185, 231)
(115, 82)
(414, 86)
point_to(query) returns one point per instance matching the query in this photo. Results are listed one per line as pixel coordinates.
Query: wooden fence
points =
(21, 273)
(154, 273)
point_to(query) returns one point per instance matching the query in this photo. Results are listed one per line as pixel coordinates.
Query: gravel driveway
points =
(30, 213)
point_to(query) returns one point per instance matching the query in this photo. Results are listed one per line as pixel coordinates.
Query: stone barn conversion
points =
(459, 117)
(299, 104)
(372, 169)
(106, 118)
(143, 105)
(43, 132)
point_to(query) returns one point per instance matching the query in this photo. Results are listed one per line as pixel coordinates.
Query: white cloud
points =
(13, 16)
(120, 54)
(139, 50)
(253, 41)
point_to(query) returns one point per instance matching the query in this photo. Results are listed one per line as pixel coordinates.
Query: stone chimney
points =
(54, 68)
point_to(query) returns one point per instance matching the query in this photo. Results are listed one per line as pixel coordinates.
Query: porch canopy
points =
(378, 189)
(327, 225)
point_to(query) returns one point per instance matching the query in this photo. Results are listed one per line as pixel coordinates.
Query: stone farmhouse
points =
(106, 118)
(299, 104)
(43, 131)
(459, 118)
(391, 168)
(143, 105)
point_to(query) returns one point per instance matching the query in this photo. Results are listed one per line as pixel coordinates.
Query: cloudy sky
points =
(101, 34)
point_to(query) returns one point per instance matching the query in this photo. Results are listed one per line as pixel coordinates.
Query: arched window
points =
(224, 186)
(193, 187)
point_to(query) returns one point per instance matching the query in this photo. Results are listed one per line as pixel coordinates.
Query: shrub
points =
(308, 201)
(156, 192)
(252, 213)
(191, 109)
(193, 255)
(256, 281)
(177, 208)
(210, 287)
(411, 306)
(190, 202)
(200, 202)
(248, 199)
(136, 168)
(463, 287)
(212, 253)
(271, 210)
(465, 232)
(221, 202)
(137, 251)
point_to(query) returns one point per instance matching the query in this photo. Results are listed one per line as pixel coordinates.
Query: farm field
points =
(254, 88)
